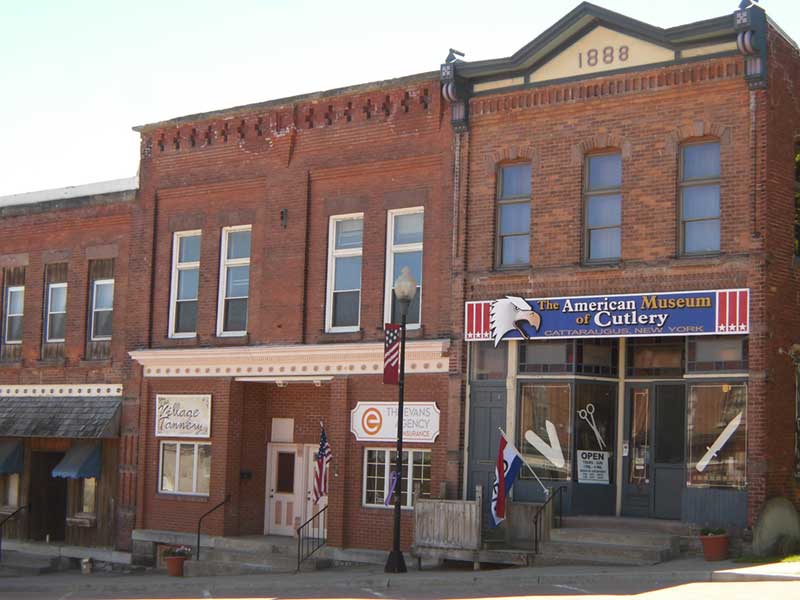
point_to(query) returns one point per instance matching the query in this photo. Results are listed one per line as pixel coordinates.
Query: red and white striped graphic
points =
(476, 318)
(733, 311)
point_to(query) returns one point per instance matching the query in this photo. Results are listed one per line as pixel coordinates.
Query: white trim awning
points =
(284, 362)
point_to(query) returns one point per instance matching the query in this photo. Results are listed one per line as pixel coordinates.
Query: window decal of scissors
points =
(587, 414)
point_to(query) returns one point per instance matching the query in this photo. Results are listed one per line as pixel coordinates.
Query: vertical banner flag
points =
(509, 462)
(391, 354)
(324, 457)
(392, 484)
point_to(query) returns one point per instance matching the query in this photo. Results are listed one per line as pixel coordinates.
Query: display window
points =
(545, 429)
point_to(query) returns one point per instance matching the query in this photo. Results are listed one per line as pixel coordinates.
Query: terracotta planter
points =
(175, 565)
(715, 547)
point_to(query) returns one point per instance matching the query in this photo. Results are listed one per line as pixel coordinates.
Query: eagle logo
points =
(509, 313)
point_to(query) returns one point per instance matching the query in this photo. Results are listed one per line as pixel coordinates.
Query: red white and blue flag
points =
(324, 457)
(509, 462)
(391, 354)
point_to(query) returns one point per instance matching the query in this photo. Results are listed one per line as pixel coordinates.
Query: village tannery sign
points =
(710, 312)
(181, 415)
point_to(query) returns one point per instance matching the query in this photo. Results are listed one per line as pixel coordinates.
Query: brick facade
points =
(286, 167)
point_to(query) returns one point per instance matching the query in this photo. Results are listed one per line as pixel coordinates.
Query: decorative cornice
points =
(423, 356)
(91, 390)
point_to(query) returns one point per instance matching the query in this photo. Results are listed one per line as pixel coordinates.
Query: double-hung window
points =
(88, 492)
(378, 466)
(514, 215)
(56, 312)
(102, 309)
(185, 283)
(234, 281)
(346, 241)
(699, 202)
(185, 468)
(15, 306)
(404, 249)
(603, 207)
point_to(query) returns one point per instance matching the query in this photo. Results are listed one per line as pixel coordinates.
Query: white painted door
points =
(285, 488)
(311, 508)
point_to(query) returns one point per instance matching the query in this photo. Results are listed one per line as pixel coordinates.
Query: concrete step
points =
(632, 537)
(258, 545)
(18, 564)
(598, 553)
(628, 524)
(204, 568)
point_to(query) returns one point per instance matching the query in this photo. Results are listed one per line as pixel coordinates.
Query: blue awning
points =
(82, 461)
(12, 457)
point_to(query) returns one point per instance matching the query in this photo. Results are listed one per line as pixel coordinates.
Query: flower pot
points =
(715, 547)
(175, 565)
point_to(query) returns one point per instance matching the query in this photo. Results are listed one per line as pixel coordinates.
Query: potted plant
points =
(715, 543)
(175, 556)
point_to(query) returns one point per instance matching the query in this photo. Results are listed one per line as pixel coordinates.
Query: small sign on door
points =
(593, 467)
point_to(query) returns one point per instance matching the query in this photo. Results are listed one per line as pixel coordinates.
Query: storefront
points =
(637, 404)
(59, 450)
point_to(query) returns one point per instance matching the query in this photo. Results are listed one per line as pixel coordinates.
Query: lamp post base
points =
(395, 563)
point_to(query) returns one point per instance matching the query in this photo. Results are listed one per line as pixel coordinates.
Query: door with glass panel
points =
(654, 450)
(594, 474)
(284, 489)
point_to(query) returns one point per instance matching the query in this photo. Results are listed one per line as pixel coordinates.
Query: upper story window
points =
(699, 198)
(514, 215)
(102, 309)
(234, 281)
(56, 321)
(404, 249)
(345, 246)
(603, 207)
(14, 309)
(185, 283)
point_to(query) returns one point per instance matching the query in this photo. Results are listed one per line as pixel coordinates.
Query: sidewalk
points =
(340, 580)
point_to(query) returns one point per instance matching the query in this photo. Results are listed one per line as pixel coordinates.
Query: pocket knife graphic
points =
(721, 440)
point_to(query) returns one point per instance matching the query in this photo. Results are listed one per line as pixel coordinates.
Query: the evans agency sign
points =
(183, 416)
(712, 312)
(377, 422)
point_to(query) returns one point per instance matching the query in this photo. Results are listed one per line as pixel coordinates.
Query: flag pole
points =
(525, 462)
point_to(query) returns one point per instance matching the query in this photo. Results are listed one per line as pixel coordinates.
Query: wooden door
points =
(285, 489)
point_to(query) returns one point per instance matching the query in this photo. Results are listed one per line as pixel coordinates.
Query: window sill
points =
(188, 497)
(6, 511)
(608, 264)
(82, 520)
(51, 362)
(511, 268)
(232, 340)
(95, 362)
(341, 336)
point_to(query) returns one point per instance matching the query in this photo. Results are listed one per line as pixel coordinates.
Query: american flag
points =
(391, 354)
(324, 456)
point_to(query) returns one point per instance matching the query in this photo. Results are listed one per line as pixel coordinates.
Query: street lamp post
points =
(405, 287)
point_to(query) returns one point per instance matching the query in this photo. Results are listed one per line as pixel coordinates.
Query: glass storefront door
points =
(654, 446)
(594, 474)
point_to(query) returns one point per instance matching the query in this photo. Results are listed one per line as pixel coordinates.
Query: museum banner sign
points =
(183, 415)
(709, 312)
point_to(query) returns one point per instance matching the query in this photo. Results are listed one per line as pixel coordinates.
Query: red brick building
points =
(621, 189)
(65, 413)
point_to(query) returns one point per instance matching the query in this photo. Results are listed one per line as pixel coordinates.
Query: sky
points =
(76, 76)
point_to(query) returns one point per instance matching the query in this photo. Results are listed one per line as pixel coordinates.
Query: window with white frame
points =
(378, 466)
(185, 468)
(345, 246)
(88, 499)
(9, 489)
(56, 312)
(404, 249)
(102, 309)
(15, 306)
(234, 281)
(185, 283)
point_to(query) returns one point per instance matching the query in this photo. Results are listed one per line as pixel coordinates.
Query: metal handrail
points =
(200, 521)
(307, 545)
(3, 522)
(538, 522)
